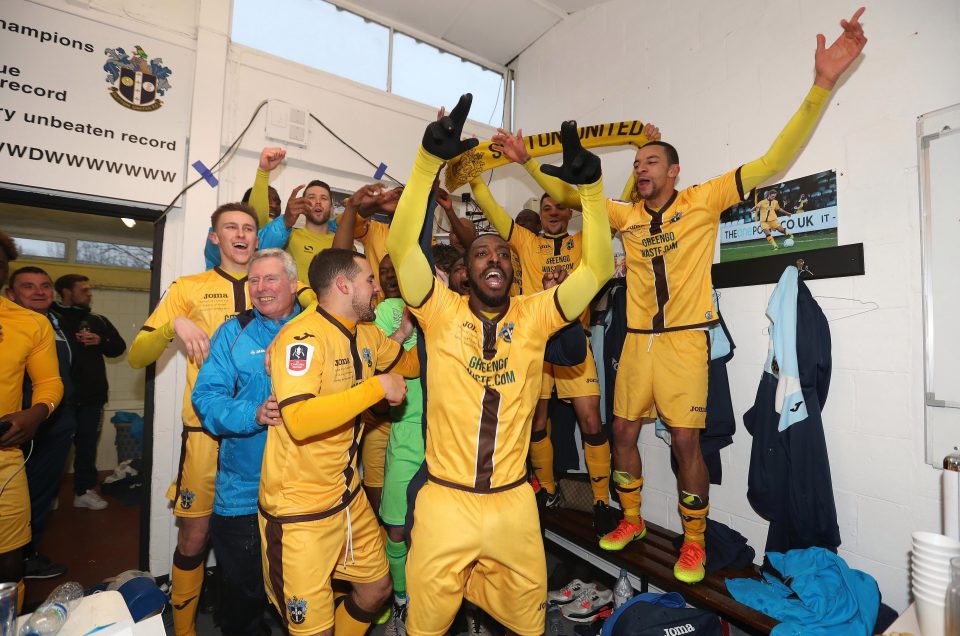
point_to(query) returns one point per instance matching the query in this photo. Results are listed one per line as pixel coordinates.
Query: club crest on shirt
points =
(676, 217)
(299, 356)
(186, 498)
(297, 608)
(506, 332)
(570, 244)
(367, 356)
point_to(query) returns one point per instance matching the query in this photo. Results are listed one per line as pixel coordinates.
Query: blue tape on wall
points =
(381, 170)
(206, 174)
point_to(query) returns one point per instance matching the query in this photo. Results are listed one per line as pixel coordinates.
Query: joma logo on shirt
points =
(339, 362)
(216, 296)
(470, 326)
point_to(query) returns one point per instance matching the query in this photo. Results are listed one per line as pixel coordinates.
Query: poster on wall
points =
(800, 214)
(91, 109)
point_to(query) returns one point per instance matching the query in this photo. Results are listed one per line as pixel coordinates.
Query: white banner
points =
(89, 108)
(812, 221)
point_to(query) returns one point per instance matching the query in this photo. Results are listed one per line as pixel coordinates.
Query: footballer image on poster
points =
(800, 214)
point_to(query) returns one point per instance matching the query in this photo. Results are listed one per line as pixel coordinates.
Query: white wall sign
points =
(89, 108)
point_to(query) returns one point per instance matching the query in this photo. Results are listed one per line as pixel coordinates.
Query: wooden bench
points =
(651, 561)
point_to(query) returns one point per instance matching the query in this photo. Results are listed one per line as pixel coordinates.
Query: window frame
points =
(506, 74)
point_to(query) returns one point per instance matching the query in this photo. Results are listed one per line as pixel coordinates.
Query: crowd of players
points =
(292, 347)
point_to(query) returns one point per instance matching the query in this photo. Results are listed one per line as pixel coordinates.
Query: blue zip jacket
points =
(231, 385)
(273, 234)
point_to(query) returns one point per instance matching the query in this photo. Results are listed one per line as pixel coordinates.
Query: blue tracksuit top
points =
(231, 385)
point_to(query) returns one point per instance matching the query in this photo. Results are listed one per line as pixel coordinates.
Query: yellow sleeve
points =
(260, 196)
(306, 297)
(491, 209)
(596, 265)
(44, 369)
(561, 191)
(391, 358)
(789, 142)
(413, 271)
(322, 414)
(157, 331)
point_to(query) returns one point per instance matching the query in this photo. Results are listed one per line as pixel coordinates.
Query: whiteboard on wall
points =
(939, 163)
(91, 109)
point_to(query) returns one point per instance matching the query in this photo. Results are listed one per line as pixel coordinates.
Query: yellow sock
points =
(350, 620)
(20, 593)
(693, 516)
(598, 466)
(187, 580)
(772, 241)
(541, 456)
(628, 487)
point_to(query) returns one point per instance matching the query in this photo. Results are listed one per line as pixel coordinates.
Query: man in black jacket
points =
(92, 337)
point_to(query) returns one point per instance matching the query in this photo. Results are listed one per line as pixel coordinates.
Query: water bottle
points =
(53, 613)
(953, 599)
(622, 591)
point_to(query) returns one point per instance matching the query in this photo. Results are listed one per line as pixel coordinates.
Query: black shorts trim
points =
(700, 325)
(310, 516)
(481, 491)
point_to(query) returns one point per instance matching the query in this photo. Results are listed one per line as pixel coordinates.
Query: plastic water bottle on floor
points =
(623, 590)
(53, 613)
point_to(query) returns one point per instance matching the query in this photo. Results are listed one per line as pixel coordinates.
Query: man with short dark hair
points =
(669, 236)
(31, 288)
(315, 521)
(93, 338)
(29, 352)
(487, 351)
(305, 242)
(191, 310)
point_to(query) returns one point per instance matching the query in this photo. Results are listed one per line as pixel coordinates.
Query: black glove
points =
(442, 138)
(580, 166)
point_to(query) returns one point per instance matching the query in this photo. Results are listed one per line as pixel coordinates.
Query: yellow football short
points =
(571, 382)
(301, 558)
(15, 501)
(772, 225)
(193, 491)
(376, 433)
(664, 374)
(485, 548)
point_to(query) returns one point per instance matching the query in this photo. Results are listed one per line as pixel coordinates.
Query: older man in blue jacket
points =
(233, 398)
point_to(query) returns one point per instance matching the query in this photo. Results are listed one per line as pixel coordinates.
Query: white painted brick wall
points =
(721, 80)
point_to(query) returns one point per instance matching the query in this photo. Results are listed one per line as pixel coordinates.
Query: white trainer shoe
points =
(91, 500)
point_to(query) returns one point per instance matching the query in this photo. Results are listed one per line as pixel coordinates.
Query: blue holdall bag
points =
(661, 615)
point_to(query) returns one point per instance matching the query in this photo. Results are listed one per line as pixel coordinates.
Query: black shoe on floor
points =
(38, 566)
(605, 519)
(548, 500)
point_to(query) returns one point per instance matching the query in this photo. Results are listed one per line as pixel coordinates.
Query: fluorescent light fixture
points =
(128, 222)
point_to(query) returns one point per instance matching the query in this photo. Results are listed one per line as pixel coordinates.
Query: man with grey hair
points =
(233, 399)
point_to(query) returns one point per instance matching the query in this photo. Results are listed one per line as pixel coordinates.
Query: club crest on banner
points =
(136, 81)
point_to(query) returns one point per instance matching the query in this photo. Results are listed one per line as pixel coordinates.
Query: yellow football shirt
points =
(541, 253)
(484, 384)
(208, 299)
(303, 245)
(318, 356)
(373, 236)
(670, 253)
(767, 211)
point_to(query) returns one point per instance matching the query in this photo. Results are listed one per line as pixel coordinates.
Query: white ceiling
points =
(493, 30)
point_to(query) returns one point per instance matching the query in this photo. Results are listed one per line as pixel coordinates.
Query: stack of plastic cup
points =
(930, 578)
